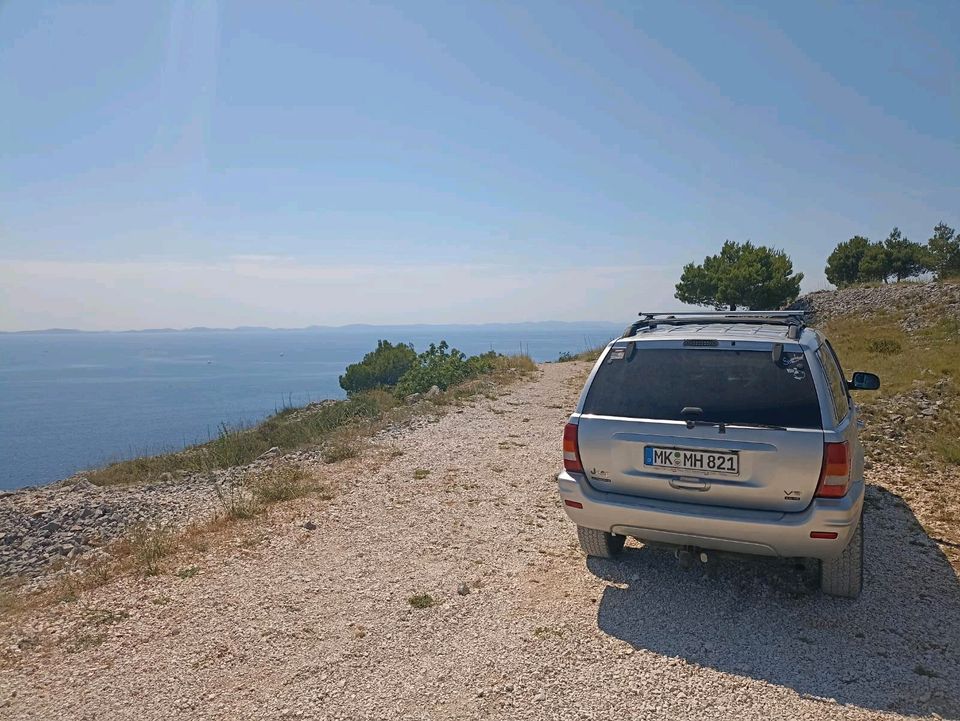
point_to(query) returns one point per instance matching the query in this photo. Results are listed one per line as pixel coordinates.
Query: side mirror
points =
(864, 381)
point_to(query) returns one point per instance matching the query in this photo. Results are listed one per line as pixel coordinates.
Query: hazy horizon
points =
(177, 164)
(346, 326)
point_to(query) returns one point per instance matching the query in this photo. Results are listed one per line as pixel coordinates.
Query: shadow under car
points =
(895, 648)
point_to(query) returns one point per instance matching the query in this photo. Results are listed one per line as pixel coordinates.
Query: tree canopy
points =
(843, 265)
(380, 368)
(944, 249)
(906, 258)
(859, 261)
(741, 275)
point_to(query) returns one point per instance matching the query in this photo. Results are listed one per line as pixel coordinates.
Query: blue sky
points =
(224, 163)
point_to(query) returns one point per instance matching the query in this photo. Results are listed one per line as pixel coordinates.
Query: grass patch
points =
(884, 346)
(547, 632)
(281, 483)
(422, 600)
(340, 451)
(149, 546)
(286, 430)
(926, 354)
(188, 572)
(237, 501)
(926, 362)
(590, 354)
(947, 445)
(420, 474)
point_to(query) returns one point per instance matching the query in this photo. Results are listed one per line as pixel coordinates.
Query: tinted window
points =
(730, 386)
(838, 387)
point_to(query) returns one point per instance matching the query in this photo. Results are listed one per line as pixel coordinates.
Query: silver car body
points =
(769, 508)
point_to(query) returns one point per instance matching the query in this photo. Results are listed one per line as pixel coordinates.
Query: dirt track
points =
(296, 623)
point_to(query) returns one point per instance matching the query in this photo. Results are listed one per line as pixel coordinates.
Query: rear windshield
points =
(731, 386)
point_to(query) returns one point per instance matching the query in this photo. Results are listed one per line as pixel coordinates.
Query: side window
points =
(835, 381)
(836, 359)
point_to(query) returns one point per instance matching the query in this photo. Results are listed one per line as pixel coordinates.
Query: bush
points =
(380, 368)
(885, 346)
(443, 367)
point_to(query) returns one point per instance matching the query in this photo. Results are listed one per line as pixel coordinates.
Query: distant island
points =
(358, 327)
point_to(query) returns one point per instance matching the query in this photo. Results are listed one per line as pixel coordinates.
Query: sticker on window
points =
(617, 353)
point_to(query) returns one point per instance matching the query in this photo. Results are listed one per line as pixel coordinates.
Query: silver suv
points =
(733, 432)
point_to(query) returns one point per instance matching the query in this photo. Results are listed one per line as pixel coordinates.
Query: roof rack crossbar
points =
(795, 319)
(726, 313)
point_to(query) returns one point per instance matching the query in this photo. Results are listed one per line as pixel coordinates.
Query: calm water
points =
(74, 401)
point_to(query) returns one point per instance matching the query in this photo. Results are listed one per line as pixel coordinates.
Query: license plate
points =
(684, 460)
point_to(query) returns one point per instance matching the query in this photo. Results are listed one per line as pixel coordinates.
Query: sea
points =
(71, 401)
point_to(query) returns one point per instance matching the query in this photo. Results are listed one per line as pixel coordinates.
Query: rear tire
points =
(843, 575)
(600, 543)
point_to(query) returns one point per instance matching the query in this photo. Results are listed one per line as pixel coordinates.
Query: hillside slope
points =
(908, 333)
(443, 581)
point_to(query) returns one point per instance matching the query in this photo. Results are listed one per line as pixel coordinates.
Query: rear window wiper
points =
(759, 425)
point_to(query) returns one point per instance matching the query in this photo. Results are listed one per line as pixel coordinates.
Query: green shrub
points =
(380, 368)
(885, 346)
(443, 367)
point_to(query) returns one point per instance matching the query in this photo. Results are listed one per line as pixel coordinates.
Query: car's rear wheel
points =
(843, 575)
(600, 543)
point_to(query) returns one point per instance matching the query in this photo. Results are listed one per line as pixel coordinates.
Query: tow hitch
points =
(688, 555)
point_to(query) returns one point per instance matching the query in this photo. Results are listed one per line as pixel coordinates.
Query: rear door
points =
(634, 439)
(842, 415)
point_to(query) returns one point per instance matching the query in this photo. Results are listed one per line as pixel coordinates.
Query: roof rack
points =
(794, 319)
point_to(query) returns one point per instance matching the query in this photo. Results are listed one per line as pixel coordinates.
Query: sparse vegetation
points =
(339, 423)
(280, 483)
(591, 354)
(104, 616)
(421, 600)
(239, 446)
(149, 547)
(907, 363)
(884, 346)
(340, 451)
(420, 474)
(237, 501)
(547, 632)
(188, 572)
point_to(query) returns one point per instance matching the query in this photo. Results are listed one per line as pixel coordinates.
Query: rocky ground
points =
(45, 531)
(918, 302)
(443, 580)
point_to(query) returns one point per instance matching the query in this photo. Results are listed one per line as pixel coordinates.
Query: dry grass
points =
(149, 546)
(878, 344)
(340, 450)
(289, 429)
(340, 425)
(281, 483)
(906, 362)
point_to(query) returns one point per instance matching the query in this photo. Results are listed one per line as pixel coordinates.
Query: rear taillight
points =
(835, 472)
(571, 451)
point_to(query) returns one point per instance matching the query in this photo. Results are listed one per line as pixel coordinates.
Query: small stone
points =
(463, 589)
(310, 526)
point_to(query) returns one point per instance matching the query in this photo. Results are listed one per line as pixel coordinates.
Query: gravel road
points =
(296, 623)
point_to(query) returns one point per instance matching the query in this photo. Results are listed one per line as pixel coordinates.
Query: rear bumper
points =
(764, 533)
